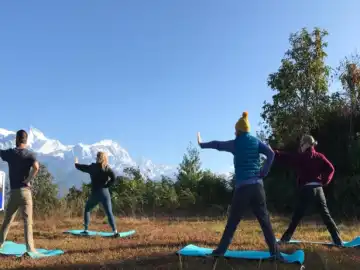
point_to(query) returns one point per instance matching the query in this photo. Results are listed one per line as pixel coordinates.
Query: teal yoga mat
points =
(195, 251)
(102, 234)
(18, 250)
(348, 244)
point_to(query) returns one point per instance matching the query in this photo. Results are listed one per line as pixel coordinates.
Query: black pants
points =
(312, 195)
(248, 196)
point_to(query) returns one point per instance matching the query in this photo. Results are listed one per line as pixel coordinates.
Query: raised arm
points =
(82, 167)
(328, 171)
(226, 146)
(4, 155)
(269, 153)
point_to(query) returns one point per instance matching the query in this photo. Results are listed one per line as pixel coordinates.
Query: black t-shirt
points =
(20, 162)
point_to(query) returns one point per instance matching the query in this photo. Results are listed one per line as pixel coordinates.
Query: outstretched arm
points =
(4, 155)
(287, 159)
(269, 153)
(81, 167)
(227, 146)
(328, 171)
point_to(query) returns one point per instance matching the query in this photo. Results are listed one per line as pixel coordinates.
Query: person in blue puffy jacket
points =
(249, 190)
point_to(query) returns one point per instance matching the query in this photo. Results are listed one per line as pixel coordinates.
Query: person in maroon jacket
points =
(314, 171)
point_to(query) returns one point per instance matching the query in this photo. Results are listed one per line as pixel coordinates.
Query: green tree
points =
(348, 73)
(214, 189)
(129, 192)
(45, 192)
(189, 175)
(301, 86)
(168, 198)
(189, 170)
(74, 201)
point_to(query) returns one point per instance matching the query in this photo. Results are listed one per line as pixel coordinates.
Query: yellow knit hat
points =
(243, 125)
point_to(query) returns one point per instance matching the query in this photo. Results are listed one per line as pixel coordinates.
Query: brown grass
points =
(155, 242)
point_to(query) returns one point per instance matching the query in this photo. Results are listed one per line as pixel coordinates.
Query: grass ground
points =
(156, 241)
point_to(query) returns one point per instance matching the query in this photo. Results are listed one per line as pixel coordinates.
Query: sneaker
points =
(85, 232)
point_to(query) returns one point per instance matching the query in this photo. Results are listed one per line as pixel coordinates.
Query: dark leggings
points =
(312, 195)
(250, 196)
(99, 196)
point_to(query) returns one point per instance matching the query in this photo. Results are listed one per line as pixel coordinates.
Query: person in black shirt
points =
(102, 176)
(23, 168)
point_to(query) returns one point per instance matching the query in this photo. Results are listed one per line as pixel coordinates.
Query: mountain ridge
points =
(59, 158)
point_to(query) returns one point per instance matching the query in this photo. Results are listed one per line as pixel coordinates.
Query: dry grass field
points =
(156, 241)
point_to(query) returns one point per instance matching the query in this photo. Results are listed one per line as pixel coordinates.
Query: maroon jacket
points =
(310, 166)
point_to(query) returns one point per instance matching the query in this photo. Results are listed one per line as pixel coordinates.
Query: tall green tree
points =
(348, 73)
(45, 192)
(189, 170)
(189, 175)
(301, 86)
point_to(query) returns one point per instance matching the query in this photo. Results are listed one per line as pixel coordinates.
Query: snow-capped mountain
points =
(59, 158)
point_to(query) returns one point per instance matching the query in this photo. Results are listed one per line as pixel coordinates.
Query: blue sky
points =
(150, 74)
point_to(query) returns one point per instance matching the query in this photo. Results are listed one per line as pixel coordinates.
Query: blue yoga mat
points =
(102, 234)
(13, 249)
(192, 250)
(348, 244)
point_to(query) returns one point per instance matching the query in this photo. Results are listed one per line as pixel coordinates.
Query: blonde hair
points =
(102, 159)
(309, 140)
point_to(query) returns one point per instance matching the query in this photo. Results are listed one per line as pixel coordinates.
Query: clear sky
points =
(150, 74)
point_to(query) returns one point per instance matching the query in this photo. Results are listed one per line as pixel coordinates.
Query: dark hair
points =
(21, 137)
